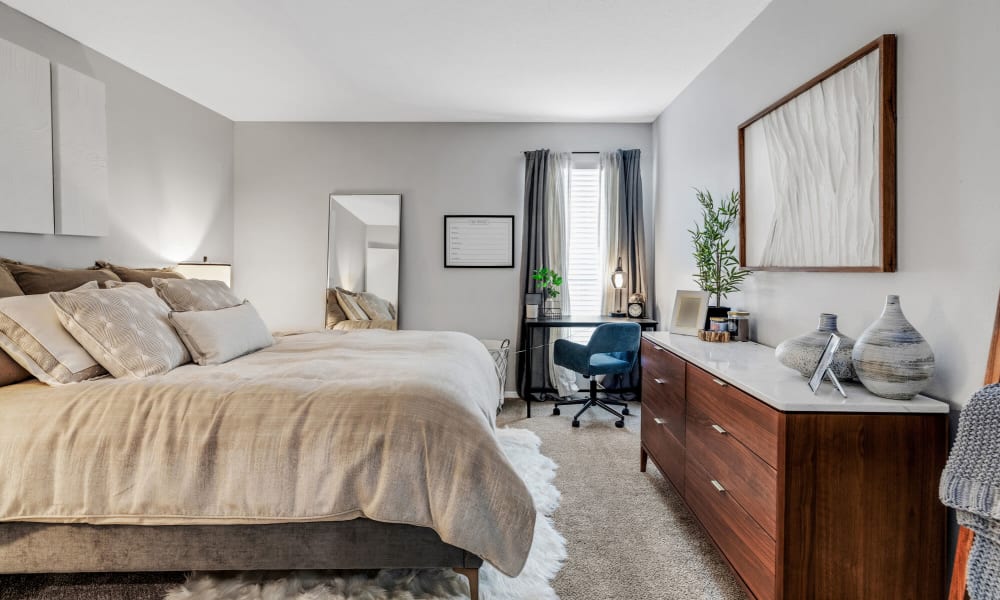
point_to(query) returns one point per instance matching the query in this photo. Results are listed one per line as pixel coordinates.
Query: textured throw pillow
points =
(349, 303)
(375, 307)
(10, 371)
(143, 276)
(334, 314)
(195, 294)
(34, 279)
(126, 329)
(217, 336)
(31, 334)
(8, 287)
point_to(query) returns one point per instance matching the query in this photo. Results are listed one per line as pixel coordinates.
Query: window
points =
(585, 270)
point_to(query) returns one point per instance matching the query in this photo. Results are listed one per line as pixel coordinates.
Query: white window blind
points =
(584, 264)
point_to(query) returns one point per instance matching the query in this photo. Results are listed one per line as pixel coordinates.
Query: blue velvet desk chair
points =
(612, 350)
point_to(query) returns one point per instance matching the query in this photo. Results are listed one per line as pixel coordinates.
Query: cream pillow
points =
(377, 308)
(125, 329)
(31, 334)
(217, 336)
(349, 303)
(195, 294)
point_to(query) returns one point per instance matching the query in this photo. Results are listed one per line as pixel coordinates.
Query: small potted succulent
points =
(719, 272)
(547, 280)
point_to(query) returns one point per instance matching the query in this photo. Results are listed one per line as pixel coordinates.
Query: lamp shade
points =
(618, 277)
(205, 270)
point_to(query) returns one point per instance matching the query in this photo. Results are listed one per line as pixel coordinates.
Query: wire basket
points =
(500, 351)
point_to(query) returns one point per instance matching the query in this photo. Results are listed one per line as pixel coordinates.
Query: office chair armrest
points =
(571, 355)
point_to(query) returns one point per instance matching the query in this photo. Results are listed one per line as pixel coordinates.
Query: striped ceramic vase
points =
(891, 358)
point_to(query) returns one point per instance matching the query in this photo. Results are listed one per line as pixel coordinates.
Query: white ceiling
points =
(411, 60)
(372, 209)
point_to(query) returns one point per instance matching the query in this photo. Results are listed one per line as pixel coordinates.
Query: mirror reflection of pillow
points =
(218, 336)
(377, 309)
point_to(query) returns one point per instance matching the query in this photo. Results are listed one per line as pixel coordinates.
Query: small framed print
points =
(823, 367)
(690, 309)
(479, 241)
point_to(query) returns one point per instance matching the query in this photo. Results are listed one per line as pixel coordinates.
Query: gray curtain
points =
(533, 254)
(632, 235)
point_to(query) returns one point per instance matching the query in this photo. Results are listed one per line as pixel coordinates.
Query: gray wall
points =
(349, 239)
(948, 124)
(170, 165)
(285, 172)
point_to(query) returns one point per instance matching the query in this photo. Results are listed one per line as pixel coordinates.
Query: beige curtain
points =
(610, 174)
(557, 195)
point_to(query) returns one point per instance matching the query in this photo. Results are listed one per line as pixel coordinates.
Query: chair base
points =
(593, 400)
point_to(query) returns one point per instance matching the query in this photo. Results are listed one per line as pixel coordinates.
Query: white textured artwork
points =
(80, 153)
(812, 175)
(25, 141)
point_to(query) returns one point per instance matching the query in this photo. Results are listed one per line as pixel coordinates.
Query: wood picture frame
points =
(877, 254)
(479, 241)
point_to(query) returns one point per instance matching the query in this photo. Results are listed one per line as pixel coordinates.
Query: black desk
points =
(568, 321)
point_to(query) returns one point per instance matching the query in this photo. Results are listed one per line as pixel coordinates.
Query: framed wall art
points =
(479, 241)
(818, 171)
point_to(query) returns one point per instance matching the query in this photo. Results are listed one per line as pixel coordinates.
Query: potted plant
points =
(547, 280)
(719, 271)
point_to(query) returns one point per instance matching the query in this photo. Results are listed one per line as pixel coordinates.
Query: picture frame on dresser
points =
(832, 208)
(690, 311)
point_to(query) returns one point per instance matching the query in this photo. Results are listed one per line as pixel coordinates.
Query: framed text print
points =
(818, 171)
(479, 241)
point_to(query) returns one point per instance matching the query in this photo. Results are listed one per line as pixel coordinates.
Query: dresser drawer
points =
(747, 478)
(663, 386)
(667, 452)
(746, 545)
(749, 421)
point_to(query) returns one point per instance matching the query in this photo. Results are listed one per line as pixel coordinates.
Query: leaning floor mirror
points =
(362, 287)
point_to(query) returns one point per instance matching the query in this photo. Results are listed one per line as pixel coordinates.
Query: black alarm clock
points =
(636, 305)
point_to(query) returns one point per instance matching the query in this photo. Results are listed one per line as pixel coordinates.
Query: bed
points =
(328, 450)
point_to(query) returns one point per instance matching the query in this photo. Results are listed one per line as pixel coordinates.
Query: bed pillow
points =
(8, 287)
(334, 314)
(214, 337)
(10, 371)
(125, 329)
(375, 307)
(35, 279)
(349, 303)
(143, 276)
(195, 294)
(32, 335)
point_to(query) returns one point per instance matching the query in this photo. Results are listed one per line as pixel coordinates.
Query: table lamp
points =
(205, 270)
(618, 282)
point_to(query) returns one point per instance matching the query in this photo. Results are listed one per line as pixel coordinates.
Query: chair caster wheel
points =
(555, 411)
(625, 411)
(620, 424)
(576, 423)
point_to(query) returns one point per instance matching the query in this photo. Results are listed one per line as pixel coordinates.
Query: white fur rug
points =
(548, 551)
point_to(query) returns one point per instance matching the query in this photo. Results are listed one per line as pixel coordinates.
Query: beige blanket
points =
(326, 426)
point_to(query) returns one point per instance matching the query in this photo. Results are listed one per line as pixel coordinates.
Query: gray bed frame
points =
(342, 545)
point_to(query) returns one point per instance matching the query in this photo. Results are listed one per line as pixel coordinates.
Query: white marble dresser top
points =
(753, 368)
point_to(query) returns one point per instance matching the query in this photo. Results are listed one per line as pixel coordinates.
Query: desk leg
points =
(529, 364)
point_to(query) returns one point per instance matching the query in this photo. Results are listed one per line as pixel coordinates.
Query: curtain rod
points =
(584, 152)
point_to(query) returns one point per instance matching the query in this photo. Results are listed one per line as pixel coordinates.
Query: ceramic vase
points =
(891, 358)
(802, 353)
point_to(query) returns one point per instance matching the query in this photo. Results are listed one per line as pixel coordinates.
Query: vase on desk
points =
(802, 353)
(891, 358)
(552, 308)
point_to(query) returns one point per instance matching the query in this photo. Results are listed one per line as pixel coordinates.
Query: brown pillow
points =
(8, 287)
(10, 371)
(334, 314)
(35, 279)
(143, 276)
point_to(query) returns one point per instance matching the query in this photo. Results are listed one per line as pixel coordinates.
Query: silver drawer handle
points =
(718, 486)
(660, 381)
(659, 421)
(720, 382)
(719, 429)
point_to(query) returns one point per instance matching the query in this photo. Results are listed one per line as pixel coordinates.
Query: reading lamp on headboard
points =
(205, 270)
(964, 547)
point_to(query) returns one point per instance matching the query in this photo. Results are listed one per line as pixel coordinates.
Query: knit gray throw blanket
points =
(971, 485)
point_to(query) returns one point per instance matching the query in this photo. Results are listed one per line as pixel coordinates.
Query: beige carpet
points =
(630, 536)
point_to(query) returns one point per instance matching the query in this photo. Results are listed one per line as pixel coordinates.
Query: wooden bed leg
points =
(473, 576)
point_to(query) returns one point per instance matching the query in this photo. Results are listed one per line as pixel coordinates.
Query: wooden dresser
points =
(807, 497)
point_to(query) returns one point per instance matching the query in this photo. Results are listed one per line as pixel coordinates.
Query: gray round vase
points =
(802, 353)
(891, 358)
